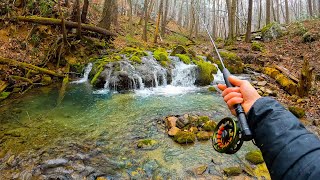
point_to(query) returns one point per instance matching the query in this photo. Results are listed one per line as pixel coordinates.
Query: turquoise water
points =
(36, 129)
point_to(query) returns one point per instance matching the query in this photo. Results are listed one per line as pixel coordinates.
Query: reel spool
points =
(227, 137)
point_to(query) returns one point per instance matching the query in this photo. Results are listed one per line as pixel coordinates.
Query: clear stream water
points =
(105, 129)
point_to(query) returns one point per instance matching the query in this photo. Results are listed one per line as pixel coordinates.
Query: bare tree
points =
(287, 12)
(164, 19)
(84, 11)
(268, 6)
(248, 34)
(156, 34)
(310, 7)
(146, 18)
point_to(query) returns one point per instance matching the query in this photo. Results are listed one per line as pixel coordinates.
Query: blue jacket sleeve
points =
(289, 149)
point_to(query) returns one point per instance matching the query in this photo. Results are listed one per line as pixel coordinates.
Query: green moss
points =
(271, 31)
(232, 171)
(95, 77)
(209, 126)
(232, 62)
(184, 137)
(164, 63)
(46, 80)
(146, 143)
(297, 111)
(255, 157)
(161, 55)
(134, 51)
(206, 71)
(4, 95)
(184, 58)
(219, 40)
(267, 27)
(229, 41)
(300, 29)
(117, 58)
(136, 59)
(178, 50)
(255, 46)
(203, 136)
(210, 58)
(212, 89)
(203, 119)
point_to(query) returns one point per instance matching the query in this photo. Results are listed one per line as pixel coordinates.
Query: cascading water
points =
(86, 73)
(183, 74)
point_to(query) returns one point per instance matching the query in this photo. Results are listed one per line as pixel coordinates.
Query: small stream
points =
(94, 133)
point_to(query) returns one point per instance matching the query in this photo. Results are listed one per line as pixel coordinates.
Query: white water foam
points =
(85, 77)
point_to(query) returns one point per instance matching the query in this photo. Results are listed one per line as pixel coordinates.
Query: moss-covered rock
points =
(310, 37)
(161, 55)
(271, 72)
(209, 125)
(232, 171)
(203, 136)
(184, 58)
(95, 77)
(297, 111)
(4, 95)
(254, 157)
(179, 50)
(184, 137)
(255, 46)
(212, 89)
(136, 59)
(272, 31)
(146, 143)
(206, 71)
(203, 120)
(231, 61)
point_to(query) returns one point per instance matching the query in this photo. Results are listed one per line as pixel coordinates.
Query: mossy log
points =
(287, 73)
(305, 82)
(57, 22)
(29, 66)
(285, 82)
(64, 85)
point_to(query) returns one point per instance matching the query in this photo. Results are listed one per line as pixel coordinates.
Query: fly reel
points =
(227, 137)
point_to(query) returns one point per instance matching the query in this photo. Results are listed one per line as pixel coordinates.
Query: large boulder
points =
(232, 62)
(178, 50)
(272, 31)
(206, 71)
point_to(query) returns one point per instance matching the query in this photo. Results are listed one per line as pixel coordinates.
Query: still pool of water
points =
(100, 131)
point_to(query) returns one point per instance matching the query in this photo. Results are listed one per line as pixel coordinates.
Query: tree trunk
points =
(248, 34)
(115, 14)
(305, 82)
(310, 7)
(287, 12)
(268, 6)
(214, 28)
(156, 34)
(107, 15)
(63, 24)
(192, 18)
(145, 9)
(67, 3)
(130, 17)
(85, 11)
(164, 19)
(78, 19)
(260, 13)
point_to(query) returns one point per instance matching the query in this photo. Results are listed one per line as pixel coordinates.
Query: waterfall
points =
(218, 78)
(87, 71)
(183, 74)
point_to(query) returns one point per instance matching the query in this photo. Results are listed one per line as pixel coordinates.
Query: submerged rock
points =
(255, 157)
(232, 171)
(147, 144)
(200, 170)
(53, 163)
(203, 136)
(184, 137)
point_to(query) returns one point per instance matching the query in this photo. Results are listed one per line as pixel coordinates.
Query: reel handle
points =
(247, 134)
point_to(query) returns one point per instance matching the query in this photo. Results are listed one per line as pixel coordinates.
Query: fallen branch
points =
(3, 85)
(287, 73)
(22, 79)
(57, 22)
(64, 86)
(29, 66)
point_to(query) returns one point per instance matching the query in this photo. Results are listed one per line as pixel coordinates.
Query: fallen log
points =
(58, 22)
(3, 85)
(22, 79)
(64, 85)
(287, 73)
(24, 65)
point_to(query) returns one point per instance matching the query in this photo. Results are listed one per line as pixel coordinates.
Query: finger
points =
(234, 101)
(235, 81)
(222, 87)
(232, 95)
(229, 90)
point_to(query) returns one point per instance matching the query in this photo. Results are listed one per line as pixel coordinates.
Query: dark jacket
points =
(289, 149)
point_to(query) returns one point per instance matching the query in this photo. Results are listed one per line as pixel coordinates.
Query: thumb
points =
(235, 81)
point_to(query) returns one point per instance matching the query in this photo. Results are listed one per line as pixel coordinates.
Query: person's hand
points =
(244, 93)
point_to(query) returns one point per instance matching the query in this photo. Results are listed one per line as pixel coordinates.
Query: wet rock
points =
(200, 170)
(254, 82)
(203, 136)
(53, 163)
(173, 131)
(182, 122)
(184, 137)
(209, 126)
(232, 171)
(262, 83)
(297, 111)
(212, 89)
(171, 122)
(254, 157)
(147, 144)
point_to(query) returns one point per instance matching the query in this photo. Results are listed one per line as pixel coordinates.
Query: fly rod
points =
(228, 138)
